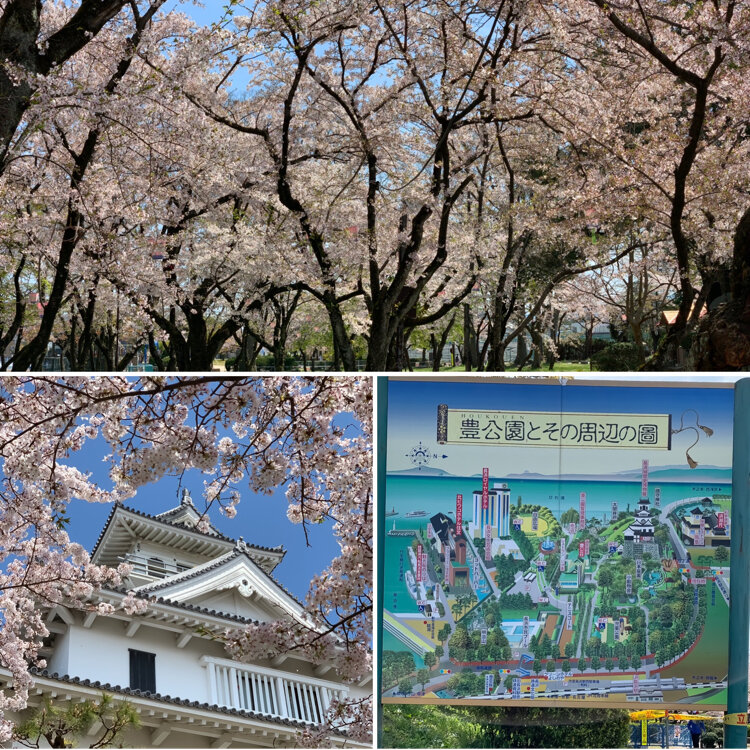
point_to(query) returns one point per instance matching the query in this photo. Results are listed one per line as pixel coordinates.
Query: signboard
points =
(537, 429)
(581, 535)
(489, 683)
(582, 512)
(516, 688)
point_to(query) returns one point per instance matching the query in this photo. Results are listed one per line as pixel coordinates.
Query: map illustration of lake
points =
(516, 571)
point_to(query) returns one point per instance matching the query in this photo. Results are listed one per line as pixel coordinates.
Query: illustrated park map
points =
(556, 543)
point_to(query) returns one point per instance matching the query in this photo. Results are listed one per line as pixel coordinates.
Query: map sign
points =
(591, 565)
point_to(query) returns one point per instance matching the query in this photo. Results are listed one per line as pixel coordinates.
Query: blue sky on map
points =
(412, 410)
(261, 519)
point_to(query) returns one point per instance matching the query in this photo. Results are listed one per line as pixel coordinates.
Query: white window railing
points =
(271, 692)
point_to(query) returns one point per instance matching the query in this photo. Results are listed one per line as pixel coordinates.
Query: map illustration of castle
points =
(588, 563)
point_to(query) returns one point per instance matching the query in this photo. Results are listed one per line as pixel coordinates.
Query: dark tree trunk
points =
(722, 337)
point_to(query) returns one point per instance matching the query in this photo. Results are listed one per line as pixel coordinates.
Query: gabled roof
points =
(172, 528)
(235, 569)
(186, 514)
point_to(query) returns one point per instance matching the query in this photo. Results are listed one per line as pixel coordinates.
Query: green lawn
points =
(720, 699)
(614, 529)
(559, 367)
(709, 657)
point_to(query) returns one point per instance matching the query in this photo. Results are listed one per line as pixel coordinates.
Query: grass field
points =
(709, 657)
(713, 700)
(618, 527)
(559, 367)
(542, 529)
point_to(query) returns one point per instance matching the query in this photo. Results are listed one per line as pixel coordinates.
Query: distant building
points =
(714, 535)
(496, 514)
(459, 570)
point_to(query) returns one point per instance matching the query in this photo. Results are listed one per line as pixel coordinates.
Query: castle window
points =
(142, 670)
(156, 567)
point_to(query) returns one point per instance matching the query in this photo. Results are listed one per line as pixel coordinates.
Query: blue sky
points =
(412, 410)
(202, 13)
(260, 519)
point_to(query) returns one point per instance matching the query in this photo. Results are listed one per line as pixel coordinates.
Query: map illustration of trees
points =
(557, 543)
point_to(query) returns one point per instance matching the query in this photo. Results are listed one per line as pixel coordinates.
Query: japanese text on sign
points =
(545, 429)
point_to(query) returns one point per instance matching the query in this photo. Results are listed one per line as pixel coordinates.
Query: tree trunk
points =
(722, 337)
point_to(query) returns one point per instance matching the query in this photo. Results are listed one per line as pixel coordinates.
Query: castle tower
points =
(644, 504)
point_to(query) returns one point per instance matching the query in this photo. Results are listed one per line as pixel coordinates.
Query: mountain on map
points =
(423, 471)
(671, 473)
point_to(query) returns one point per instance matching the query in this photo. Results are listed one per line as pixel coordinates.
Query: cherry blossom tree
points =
(383, 163)
(653, 99)
(633, 291)
(312, 434)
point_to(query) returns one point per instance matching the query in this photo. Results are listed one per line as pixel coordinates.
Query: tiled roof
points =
(165, 698)
(183, 605)
(217, 535)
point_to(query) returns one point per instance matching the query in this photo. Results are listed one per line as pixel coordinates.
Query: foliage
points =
(714, 734)
(497, 727)
(618, 356)
(65, 725)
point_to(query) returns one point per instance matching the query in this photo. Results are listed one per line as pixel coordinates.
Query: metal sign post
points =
(735, 721)
(381, 434)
